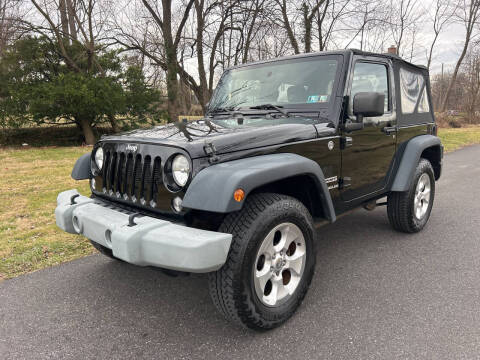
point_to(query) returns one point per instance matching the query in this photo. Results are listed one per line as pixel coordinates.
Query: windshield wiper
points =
(222, 110)
(271, 107)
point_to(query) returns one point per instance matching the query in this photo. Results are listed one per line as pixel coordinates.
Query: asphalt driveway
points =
(376, 294)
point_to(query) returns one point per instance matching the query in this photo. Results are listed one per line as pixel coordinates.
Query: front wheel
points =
(409, 211)
(270, 264)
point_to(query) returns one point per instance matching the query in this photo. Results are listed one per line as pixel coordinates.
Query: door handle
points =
(389, 130)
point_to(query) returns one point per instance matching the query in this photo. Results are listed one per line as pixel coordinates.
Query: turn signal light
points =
(239, 195)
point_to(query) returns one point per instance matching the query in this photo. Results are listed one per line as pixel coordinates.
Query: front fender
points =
(212, 188)
(81, 170)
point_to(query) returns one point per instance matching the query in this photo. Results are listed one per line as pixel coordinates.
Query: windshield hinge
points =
(344, 112)
(211, 152)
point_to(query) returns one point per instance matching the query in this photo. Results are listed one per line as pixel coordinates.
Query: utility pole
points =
(443, 84)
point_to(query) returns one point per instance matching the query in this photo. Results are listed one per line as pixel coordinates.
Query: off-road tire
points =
(231, 287)
(400, 205)
(103, 250)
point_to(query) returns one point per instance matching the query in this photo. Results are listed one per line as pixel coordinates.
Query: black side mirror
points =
(368, 104)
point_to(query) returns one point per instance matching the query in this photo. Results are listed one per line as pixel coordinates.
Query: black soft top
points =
(347, 53)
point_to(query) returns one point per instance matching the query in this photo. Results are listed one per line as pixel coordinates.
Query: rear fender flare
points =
(410, 158)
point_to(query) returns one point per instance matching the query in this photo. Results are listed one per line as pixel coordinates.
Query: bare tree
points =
(9, 16)
(404, 16)
(329, 14)
(367, 25)
(214, 25)
(471, 69)
(468, 14)
(306, 12)
(171, 40)
(77, 20)
(443, 11)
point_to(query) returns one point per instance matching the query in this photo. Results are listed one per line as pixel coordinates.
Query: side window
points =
(370, 77)
(413, 91)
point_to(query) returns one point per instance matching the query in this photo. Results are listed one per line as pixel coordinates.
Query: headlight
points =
(99, 158)
(180, 170)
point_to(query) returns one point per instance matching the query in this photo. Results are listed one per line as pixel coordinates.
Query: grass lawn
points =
(31, 178)
(454, 139)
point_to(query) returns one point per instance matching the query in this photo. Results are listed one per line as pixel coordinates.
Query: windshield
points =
(293, 83)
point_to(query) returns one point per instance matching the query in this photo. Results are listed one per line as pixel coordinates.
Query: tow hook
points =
(131, 218)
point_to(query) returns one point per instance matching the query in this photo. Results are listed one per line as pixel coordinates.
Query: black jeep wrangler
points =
(285, 146)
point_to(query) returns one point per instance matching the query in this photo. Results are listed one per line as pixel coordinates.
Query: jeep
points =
(285, 146)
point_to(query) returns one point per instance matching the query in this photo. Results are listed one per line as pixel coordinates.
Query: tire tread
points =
(224, 284)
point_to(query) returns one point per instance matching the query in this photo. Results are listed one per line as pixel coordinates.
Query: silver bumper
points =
(152, 242)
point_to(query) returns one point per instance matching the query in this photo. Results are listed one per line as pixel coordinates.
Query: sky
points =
(447, 48)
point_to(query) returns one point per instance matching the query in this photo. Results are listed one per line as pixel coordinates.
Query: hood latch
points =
(211, 152)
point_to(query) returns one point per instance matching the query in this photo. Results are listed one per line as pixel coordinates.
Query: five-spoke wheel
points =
(422, 196)
(408, 211)
(270, 264)
(279, 264)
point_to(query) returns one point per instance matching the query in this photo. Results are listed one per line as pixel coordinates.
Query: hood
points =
(193, 136)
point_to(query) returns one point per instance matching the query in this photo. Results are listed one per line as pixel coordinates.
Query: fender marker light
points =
(239, 195)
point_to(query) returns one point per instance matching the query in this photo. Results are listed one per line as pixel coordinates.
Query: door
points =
(367, 154)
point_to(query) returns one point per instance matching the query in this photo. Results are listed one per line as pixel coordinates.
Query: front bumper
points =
(151, 242)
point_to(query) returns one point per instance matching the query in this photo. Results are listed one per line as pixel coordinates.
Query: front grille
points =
(131, 177)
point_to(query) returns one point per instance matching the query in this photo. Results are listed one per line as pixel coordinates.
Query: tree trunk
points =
(113, 123)
(172, 84)
(199, 8)
(470, 22)
(71, 18)
(307, 25)
(87, 130)
(286, 22)
(62, 7)
(454, 77)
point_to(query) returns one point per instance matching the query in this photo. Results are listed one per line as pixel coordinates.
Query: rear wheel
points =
(270, 264)
(409, 211)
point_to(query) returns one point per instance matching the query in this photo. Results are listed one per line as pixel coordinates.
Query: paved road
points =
(376, 294)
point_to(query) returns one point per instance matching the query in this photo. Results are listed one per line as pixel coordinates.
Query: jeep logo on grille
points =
(132, 147)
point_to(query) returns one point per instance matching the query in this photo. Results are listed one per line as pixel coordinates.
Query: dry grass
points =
(454, 139)
(31, 178)
(29, 183)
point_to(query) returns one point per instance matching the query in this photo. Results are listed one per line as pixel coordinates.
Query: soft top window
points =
(413, 92)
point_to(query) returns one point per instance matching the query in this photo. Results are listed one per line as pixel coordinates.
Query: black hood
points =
(193, 136)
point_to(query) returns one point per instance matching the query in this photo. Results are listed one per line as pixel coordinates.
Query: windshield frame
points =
(300, 107)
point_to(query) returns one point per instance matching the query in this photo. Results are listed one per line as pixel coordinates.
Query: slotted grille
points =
(132, 178)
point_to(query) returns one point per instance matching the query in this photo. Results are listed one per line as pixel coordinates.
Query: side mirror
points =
(365, 104)
(368, 104)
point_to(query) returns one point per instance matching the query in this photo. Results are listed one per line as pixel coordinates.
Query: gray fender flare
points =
(81, 169)
(213, 187)
(410, 159)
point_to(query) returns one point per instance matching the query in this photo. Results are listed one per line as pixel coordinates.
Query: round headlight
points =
(180, 170)
(99, 158)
